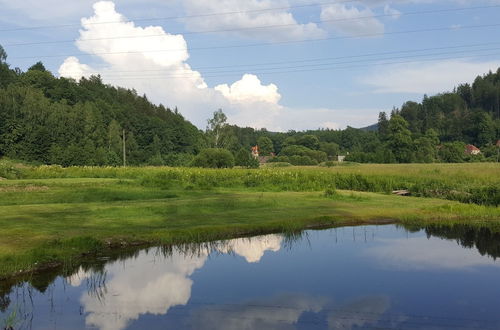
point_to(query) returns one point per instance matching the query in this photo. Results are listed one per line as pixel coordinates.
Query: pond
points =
(365, 277)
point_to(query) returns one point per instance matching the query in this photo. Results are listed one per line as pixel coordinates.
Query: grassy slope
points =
(53, 220)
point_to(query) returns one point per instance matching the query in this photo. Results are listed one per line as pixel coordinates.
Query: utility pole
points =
(124, 150)
(498, 151)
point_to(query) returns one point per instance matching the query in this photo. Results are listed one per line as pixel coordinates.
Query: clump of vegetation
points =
(9, 169)
(330, 192)
(245, 159)
(214, 158)
(278, 164)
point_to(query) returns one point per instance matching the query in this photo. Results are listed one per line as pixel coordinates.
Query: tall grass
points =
(469, 183)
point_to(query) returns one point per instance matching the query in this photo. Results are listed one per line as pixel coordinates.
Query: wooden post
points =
(124, 150)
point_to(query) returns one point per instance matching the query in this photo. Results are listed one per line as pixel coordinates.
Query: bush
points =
(9, 170)
(329, 163)
(214, 158)
(156, 160)
(294, 150)
(302, 160)
(244, 158)
(452, 152)
(330, 192)
(178, 160)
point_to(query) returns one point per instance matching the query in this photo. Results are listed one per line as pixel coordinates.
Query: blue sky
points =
(350, 60)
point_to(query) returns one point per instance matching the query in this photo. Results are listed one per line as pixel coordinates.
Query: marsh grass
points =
(87, 210)
(12, 320)
(477, 183)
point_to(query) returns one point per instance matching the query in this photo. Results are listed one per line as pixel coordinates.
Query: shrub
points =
(329, 163)
(156, 160)
(294, 150)
(180, 159)
(214, 158)
(330, 192)
(9, 170)
(244, 158)
(302, 160)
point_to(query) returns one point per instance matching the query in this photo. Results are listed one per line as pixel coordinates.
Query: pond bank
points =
(70, 218)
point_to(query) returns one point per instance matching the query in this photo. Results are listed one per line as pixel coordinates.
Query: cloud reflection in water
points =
(143, 285)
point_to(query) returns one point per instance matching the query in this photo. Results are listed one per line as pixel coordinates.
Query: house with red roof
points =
(472, 150)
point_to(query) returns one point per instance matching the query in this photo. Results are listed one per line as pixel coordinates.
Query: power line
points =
(114, 73)
(296, 69)
(422, 12)
(303, 70)
(265, 43)
(184, 17)
(321, 58)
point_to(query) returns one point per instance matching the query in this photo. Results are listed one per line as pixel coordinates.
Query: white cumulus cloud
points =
(155, 62)
(344, 19)
(249, 18)
(72, 68)
(426, 77)
(250, 89)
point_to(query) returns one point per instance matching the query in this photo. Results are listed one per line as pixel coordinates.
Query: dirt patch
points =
(29, 188)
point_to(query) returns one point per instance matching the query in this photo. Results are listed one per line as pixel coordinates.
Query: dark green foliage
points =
(265, 145)
(53, 120)
(452, 152)
(332, 149)
(59, 121)
(309, 141)
(399, 139)
(244, 158)
(304, 153)
(214, 158)
(178, 159)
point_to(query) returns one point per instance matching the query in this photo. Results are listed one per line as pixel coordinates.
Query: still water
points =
(368, 277)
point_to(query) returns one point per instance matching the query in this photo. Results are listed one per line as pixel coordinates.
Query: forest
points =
(49, 120)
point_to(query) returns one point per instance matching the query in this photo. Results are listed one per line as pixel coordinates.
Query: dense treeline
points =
(435, 130)
(53, 120)
(438, 128)
(60, 121)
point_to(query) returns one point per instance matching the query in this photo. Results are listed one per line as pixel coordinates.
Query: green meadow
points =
(51, 216)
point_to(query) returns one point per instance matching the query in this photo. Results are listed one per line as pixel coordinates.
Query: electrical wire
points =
(116, 73)
(253, 27)
(264, 44)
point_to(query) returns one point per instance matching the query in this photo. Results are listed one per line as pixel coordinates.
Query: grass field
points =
(52, 215)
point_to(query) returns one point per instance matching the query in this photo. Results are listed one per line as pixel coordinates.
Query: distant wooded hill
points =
(52, 120)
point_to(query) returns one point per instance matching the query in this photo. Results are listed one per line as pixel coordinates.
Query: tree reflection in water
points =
(122, 287)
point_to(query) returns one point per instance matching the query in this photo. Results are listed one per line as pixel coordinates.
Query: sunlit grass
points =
(53, 214)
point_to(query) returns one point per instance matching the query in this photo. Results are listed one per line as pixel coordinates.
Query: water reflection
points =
(361, 313)
(145, 287)
(328, 282)
(151, 284)
(432, 252)
(427, 253)
(484, 240)
(252, 249)
(281, 312)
